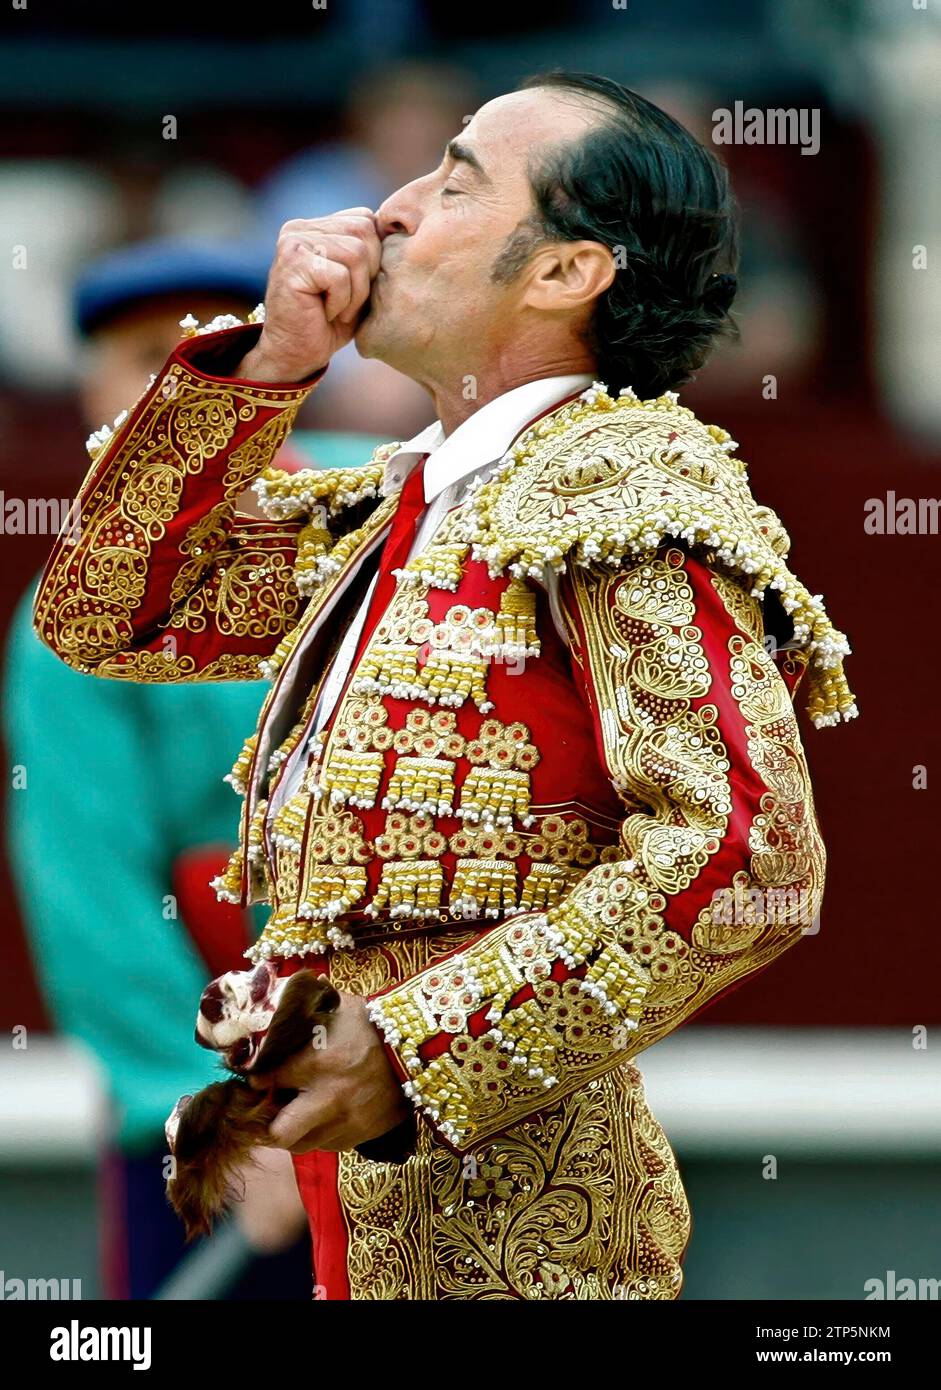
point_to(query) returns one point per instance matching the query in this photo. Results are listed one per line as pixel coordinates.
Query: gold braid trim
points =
(604, 480)
(644, 968)
(327, 566)
(240, 768)
(269, 666)
(320, 494)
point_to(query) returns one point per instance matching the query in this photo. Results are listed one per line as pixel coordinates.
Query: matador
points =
(528, 783)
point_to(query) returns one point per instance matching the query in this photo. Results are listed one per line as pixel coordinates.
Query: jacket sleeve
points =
(155, 576)
(721, 863)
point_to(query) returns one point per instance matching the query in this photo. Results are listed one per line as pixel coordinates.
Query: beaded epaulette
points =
(605, 480)
(320, 494)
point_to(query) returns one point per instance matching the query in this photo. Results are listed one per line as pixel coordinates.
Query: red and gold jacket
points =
(570, 725)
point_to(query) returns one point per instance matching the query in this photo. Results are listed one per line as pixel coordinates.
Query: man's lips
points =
(376, 285)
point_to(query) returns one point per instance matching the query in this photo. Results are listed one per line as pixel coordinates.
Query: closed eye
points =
(454, 192)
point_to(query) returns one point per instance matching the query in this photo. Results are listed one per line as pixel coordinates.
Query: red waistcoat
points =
(457, 778)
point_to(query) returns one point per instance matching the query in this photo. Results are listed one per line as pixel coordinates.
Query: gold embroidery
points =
(582, 1201)
(608, 481)
(422, 784)
(410, 837)
(334, 843)
(249, 593)
(282, 494)
(163, 667)
(411, 888)
(515, 623)
(497, 787)
(739, 604)
(546, 885)
(236, 778)
(84, 609)
(412, 880)
(352, 546)
(412, 658)
(450, 678)
(246, 461)
(636, 978)
(483, 888)
(201, 541)
(319, 493)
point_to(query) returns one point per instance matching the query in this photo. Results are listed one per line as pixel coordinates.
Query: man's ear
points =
(567, 275)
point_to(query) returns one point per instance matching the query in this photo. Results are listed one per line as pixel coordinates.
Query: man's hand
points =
(347, 1090)
(319, 281)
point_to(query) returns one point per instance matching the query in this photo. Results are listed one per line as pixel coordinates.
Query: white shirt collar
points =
(482, 438)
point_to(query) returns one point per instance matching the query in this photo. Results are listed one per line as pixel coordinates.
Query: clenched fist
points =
(318, 284)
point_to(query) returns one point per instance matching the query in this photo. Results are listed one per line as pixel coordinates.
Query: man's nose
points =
(399, 213)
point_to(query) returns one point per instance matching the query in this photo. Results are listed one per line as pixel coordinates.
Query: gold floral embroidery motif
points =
(320, 876)
(412, 658)
(580, 1201)
(606, 481)
(497, 788)
(641, 978)
(410, 837)
(84, 609)
(335, 849)
(165, 668)
(788, 862)
(245, 463)
(739, 604)
(672, 755)
(201, 541)
(250, 593)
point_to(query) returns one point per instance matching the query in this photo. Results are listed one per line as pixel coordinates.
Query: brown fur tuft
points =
(222, 1123)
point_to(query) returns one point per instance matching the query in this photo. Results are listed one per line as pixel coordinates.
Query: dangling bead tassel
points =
(438, 567)
(237, 778)
(228, 884)
(515, 623)
(313, 542)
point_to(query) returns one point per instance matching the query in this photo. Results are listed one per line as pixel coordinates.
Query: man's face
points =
(434, 303)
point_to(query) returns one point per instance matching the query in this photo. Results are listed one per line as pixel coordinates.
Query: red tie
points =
(396, 551)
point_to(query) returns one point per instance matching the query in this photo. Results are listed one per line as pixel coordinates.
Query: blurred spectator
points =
(125, 818)
(57, 215)
(399, 120)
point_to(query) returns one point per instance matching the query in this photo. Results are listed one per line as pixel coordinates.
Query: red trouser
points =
(317, 1183)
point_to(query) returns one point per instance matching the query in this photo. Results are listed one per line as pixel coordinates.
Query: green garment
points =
(120, 779)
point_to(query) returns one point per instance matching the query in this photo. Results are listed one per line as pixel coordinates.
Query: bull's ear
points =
(200, 1119)
(307, 1003)
(215, 1134)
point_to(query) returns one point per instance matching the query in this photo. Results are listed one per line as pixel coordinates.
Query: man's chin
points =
(368, 336)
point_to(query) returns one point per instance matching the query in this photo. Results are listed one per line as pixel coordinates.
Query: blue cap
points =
(119, 279)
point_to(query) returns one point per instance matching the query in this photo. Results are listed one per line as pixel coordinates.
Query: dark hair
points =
(641, 184)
